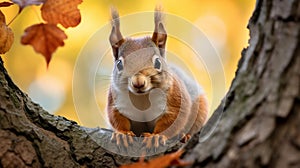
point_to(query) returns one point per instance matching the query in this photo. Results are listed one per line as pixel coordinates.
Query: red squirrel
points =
(147, 97)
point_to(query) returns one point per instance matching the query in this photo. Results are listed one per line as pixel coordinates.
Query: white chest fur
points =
(141, 108)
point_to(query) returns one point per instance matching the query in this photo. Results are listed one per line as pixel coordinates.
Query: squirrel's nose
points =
(138, 84)
(138, 81)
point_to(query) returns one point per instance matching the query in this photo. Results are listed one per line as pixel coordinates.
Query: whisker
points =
(104, 92)
(103, 77)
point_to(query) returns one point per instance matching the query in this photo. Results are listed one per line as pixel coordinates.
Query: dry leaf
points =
(24, 3)
(5, 4)
(64, 12)
(6, 35)
(172, 159)
(45, 38)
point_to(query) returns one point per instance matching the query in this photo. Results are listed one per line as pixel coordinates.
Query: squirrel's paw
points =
(123, 138)
(154, 140)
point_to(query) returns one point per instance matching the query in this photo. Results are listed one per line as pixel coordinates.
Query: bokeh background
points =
(223, 22)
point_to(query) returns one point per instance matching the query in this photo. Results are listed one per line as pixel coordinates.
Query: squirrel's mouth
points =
(140, 91)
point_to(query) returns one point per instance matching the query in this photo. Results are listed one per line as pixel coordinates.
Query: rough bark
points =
(261, 122)
(260, 126)
(31, 137)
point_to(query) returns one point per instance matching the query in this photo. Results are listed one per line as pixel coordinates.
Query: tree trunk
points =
(260, 126)
(261, 122)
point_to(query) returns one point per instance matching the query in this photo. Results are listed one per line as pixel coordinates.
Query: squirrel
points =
(147, 97)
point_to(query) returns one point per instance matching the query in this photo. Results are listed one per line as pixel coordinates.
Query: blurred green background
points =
(223, 22)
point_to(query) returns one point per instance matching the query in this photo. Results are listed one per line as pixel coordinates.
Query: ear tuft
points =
(116, 39)
(159, 36)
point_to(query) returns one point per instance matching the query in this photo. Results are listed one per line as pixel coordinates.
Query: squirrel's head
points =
(139, 62)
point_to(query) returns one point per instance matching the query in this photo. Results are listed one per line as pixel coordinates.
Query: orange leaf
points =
(45, 38)
(64, 12)
(172, 159)
(6, 35)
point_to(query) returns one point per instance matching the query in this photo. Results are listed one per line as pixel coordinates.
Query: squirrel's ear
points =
(116, 39)
(159, 36)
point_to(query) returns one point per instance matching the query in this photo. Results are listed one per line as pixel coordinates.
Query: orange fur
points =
(200, 107)
(178, 109)
(116, 119)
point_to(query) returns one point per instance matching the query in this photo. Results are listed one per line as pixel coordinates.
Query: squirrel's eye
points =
(157, 64)
(119, 64)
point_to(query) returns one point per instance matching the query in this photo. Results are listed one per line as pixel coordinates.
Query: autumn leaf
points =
(172, 159)
(64, 12)
(45, 38)
(24, 3)
(6, 35)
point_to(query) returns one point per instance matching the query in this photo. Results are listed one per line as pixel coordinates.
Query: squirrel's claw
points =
(123, 138)
(154, 140)
(185, 137)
